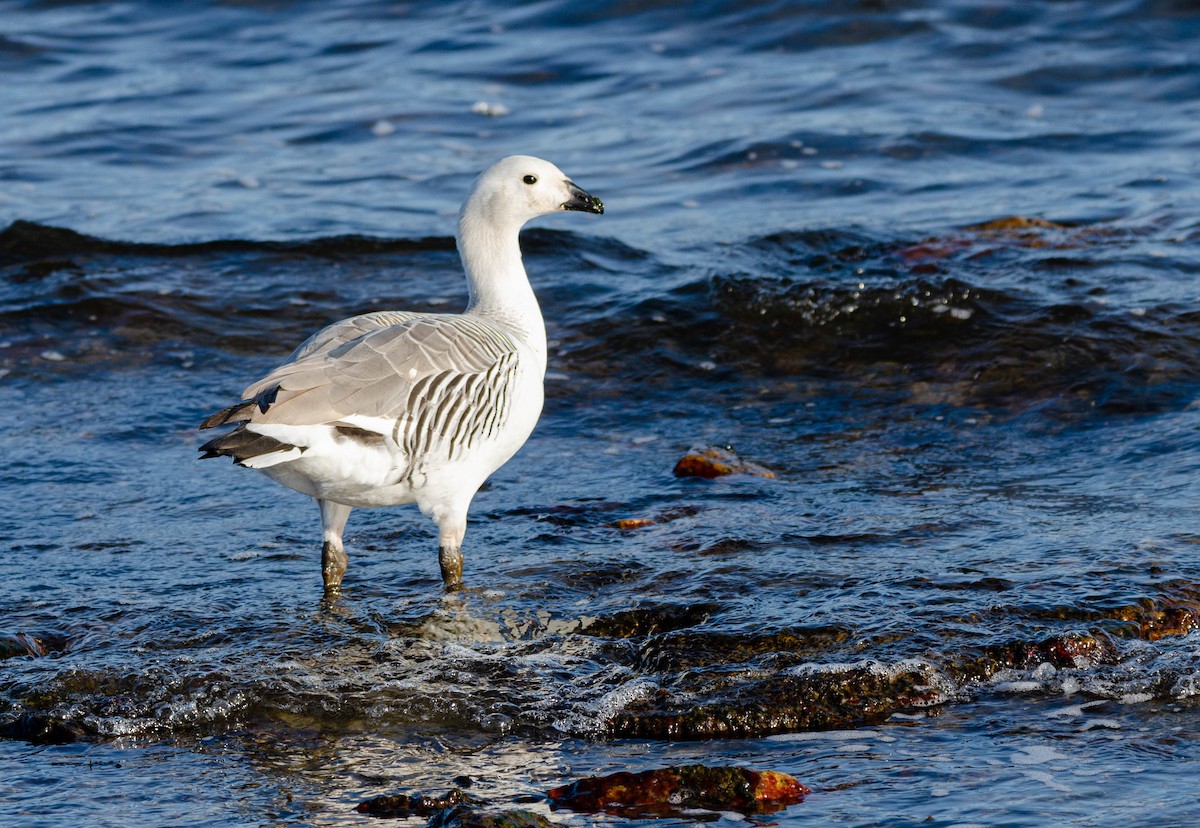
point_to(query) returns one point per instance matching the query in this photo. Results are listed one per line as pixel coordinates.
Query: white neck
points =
(497, 285)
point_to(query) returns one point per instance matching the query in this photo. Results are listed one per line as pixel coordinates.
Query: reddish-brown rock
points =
(632, 523)
(669, 790)
(717, 462)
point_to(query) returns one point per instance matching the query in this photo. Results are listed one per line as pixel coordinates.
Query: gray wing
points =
(342, 332)
(438, 377)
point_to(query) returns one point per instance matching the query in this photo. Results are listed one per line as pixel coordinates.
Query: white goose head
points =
(518, 188)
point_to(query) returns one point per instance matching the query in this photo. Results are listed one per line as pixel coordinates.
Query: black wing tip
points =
(243, 445)
(215, 447)
(265, 399)
(241, 412)
(233, 414)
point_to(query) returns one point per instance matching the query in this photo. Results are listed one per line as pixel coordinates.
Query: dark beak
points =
(581, 201)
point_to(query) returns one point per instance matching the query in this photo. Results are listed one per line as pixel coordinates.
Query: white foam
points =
(1019, 686)
(619, 698)
(1070, 711)
(1045, 671)
(1074, 710)
(824, 736)
(870, 665)
(812, 669)
(489, 109)
(1186, 687)
(1049, 780)
(1037, 755)
(591, 718)
(1111, 724)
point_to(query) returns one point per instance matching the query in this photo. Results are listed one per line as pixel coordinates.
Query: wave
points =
(26, 242)
(844, 308)
(659, 671)
(924, 319)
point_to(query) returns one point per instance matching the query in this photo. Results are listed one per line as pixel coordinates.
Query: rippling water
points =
(934, 265)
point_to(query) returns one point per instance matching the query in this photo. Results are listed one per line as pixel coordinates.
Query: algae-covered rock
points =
(1173, 613)
(822, 700)
(1071, 650)
(1170, 621)
(717, 462)
(648, 620)
(692, 649)
(670, 790)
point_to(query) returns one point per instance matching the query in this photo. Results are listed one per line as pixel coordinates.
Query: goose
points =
(397, 407)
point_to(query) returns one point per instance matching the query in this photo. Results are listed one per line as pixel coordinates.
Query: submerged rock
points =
(454, 809)
(15, 645)
(39, 730)
(22, 644)
(717, 462)
(1071, 650)
(1171, 621)
(465, 816)
(665, 516)
(670, 790)
(983, 238)
(1175, 612)
(648, 620)
(421, 805)
(632, 523)
(1016, 224)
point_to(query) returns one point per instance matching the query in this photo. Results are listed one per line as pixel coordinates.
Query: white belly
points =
(378, 472)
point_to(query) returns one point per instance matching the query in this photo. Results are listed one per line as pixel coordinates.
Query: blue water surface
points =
(932, 264)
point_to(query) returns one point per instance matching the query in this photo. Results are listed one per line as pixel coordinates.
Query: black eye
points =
(530, 179)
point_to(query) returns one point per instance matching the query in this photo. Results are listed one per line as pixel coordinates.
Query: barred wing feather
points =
(438, 377)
